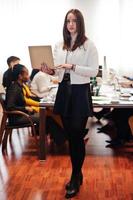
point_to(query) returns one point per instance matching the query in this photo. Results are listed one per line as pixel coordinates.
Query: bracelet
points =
(73, 67)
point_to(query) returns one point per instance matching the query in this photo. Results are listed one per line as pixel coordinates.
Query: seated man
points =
(15, 101)
(7, 77)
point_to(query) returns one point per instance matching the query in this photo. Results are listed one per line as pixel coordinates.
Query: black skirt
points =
(73, 100)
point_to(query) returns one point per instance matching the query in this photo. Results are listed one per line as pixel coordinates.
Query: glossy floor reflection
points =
(108, 173)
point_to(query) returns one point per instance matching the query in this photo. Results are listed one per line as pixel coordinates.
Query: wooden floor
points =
(108, 173)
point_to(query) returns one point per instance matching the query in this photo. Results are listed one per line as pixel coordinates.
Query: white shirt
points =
(42, 85)
(85, 58)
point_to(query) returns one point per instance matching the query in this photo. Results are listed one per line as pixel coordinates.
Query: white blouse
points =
(85, 58)
(42, 85)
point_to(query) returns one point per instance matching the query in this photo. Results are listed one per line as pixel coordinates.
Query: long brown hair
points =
(81, 38)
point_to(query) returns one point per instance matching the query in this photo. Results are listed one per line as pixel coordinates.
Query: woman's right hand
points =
(66, 66)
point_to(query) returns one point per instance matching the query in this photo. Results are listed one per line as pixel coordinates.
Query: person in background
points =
(33, 73)
(76, 60)
(15, 98)
(30, 99)
(2, 90)
(15, 101)
(7, 76)
(119, 119)
(42, 83)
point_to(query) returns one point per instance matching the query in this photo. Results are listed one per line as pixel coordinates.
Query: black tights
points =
(74, 127)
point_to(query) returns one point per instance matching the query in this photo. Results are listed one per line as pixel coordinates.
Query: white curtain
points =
(126, 37)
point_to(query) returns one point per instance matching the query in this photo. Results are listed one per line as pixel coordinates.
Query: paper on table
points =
(127, 90)
(126, 102)
(131, 98)
(101, 98)
(46, 100)
(102, 102)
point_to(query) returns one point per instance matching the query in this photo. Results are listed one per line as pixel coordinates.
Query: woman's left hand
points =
(46, 69)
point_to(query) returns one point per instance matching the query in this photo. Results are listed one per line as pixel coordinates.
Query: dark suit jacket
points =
(7, 78)
(15, 98)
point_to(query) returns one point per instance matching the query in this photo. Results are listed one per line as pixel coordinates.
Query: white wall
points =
(29, 22)
(34, 22)
(126, 35)
(102, 26)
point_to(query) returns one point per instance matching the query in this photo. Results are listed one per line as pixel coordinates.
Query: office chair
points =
(6, 127)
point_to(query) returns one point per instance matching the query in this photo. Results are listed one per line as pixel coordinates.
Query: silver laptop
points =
(41, 54)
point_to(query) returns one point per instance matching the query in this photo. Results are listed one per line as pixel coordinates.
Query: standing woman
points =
(77, 61)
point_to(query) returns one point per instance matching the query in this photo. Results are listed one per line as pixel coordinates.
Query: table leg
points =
(42, 134)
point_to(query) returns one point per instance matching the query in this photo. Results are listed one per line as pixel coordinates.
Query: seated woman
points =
(15, 101)
(43, 83)
(15, 98)
(30, 100)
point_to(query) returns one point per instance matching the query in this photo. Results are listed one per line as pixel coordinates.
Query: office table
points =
(44, 105)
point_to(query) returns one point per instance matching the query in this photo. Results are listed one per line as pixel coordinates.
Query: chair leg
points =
(34, 134)
(130, 121)
(10, 135)
(30, 131)
(18, 131)
(5, 139)
(3, 126)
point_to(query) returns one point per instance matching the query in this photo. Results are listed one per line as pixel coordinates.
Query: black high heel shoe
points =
(73, 187)
(80, 181)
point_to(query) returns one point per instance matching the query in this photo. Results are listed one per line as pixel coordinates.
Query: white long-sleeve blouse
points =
(85, 58)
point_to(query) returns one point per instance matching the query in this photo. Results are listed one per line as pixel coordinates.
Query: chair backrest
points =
(2, 100)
